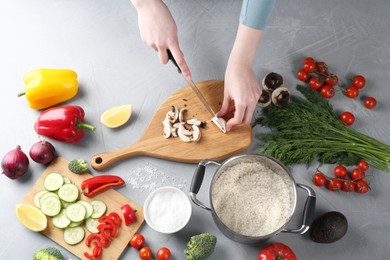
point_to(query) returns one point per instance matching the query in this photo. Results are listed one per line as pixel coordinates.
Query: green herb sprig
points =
(307, 129)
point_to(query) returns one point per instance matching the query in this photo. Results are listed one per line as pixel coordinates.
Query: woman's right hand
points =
(158, 30)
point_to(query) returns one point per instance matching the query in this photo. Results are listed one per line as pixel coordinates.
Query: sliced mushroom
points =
(167, 128)
(265, 99)
(280, 97)
(272, 81)
(194, 121)
(181, 114)
(184, 134)
(195, 133)
(173, 115)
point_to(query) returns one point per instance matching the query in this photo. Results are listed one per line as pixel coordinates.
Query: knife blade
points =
(216, 120)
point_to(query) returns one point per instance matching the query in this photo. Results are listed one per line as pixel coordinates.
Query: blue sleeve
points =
(255, 13)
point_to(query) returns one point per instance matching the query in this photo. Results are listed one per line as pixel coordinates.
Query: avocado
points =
(328, 227)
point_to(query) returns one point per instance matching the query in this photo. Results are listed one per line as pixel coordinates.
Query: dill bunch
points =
(308, 129)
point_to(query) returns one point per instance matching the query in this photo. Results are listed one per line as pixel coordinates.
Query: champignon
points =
(265, 99)
(272, 81)
(220, 123)
(184, 134)
(167, 128)
(195, 133)
(280, 96)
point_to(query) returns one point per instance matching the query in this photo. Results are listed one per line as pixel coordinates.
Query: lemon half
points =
(31, 217)
(116, 116)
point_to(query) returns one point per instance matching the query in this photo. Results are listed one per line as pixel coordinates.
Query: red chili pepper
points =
(64, 124)
(128, 214)
(97, 184)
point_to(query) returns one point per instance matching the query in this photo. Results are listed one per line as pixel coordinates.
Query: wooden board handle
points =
(102, 161)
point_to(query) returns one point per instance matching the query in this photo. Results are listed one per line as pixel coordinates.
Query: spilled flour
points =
(148, 178)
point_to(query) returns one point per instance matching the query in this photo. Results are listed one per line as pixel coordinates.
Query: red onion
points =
(42, 152)
(15, 163)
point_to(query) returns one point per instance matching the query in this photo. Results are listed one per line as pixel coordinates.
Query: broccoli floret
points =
(200, 247)
(48, 253)
(78, 166)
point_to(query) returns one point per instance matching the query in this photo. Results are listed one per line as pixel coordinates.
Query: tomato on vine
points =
(145, 253)
(363, 165)
(348, 186)
(357, 174)
(137, 241)
(309, 66)
(347, 118)
(359, 81)
(331, 79)
(352, 92)
(369, 102)
(308, 60)
(327, 91)
(321, 67)
(361, 186)
(340, 171)
(302, 75)
(334, 184)
(315, 83)
(319, 179)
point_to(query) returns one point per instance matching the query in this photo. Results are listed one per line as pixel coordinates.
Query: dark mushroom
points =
(272, 81)
(280, 96)
(264, 99)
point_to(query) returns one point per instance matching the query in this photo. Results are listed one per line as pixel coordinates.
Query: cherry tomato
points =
(315, 83)
(276, 251)
(137, 241)
(348, 186)
(348, 118)
(361, 186)
(363, 165)
(357, 174)
(163, 254)
(340, 171)
(331, 79)
(351, 92)
(335, 184)
(359, 81)
(319, 179)
(309, 60)
(145, 253)
(369, 102)
(327, 91)
(302, 75)
(321, 67)
(309, 66)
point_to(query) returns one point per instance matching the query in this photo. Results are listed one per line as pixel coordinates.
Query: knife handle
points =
(171, 58)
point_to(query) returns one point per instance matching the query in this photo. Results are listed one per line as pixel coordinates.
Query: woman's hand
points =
(242, 90)
(158, 30)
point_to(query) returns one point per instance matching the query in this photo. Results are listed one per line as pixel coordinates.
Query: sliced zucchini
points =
(76, 224)
(61, 221)
(76, 212)
(38, 196)
(91, 225)
(66, 180)
(74, 235)
(88, 207)
(50, 206)
(53, 181)
(68, 192)
(99, 208)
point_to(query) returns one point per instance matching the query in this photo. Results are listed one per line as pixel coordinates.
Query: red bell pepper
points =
(128, 214)
(100, 183)
(64, 124)
(276, 251)
(96, 252)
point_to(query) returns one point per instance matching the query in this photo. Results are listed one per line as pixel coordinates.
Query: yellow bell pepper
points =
(48, 87)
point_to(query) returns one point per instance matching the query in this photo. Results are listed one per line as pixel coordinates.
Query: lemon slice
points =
(116, 116)
(31, 217)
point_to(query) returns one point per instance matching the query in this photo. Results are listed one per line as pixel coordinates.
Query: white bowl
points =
(167, 210)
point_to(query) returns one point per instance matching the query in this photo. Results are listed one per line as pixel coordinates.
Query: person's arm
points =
(242, 90)
(158, 30)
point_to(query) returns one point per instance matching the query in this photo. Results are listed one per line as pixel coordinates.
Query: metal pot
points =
(276, 167)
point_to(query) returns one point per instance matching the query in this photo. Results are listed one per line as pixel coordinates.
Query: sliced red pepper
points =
(100, 183)
(107, 230)
(116, 218)
(109, 221)
(99, 238)
(128, 214)
(96, 251)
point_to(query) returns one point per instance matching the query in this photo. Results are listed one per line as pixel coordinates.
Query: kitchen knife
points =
(215, 119)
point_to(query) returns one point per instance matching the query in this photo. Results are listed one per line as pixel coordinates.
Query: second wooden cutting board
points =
(213, 144)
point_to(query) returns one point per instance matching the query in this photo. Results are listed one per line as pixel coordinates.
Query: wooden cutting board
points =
(213, 144)
(112, 198)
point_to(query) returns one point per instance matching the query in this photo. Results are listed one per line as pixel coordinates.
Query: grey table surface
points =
(100, 40)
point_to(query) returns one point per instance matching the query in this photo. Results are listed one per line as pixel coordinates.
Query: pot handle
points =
(197, 182)
(308, 211)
